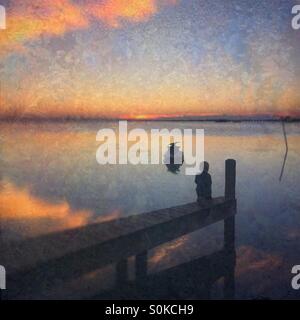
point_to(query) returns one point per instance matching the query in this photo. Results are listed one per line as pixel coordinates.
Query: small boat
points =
(173, 158)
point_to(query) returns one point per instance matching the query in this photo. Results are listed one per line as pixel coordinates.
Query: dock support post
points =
(229, 229)
(121, 272)
(229, 284)
(229, 223)
(230, 177)
(141, 266)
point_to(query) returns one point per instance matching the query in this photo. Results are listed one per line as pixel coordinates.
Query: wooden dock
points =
(63, 256)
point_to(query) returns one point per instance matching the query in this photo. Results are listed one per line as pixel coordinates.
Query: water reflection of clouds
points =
(266, 268)
(25, 215)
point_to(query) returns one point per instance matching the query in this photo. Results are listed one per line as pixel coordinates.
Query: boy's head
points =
(205, 166)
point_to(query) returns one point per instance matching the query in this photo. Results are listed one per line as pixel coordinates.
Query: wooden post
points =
(121, 272)
(207, 290)
(230, 176)
(229, 223)
(229, 284)
(141, 266)
(229, 229)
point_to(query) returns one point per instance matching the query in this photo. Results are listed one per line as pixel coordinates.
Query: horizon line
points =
(213, 118)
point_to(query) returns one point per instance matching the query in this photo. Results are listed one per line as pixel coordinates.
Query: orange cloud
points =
(250, 259)
(34, 216)
(31, 19)
(116, 214)
(112, 11)
(262, 266)
(166, 255)
(28, 215)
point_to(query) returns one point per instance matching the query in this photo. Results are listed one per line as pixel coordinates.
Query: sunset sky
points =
(149, 58)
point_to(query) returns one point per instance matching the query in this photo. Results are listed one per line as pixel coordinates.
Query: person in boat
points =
(203, 182)
(174, 158)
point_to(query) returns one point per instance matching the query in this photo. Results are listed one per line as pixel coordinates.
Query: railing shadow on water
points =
(47, 261)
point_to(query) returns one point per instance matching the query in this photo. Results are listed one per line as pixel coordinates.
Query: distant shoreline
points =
(37, 120)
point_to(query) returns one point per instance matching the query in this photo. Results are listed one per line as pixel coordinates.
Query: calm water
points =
(50, 181)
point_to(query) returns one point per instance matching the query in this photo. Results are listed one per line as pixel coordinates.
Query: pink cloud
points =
(29, 20)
